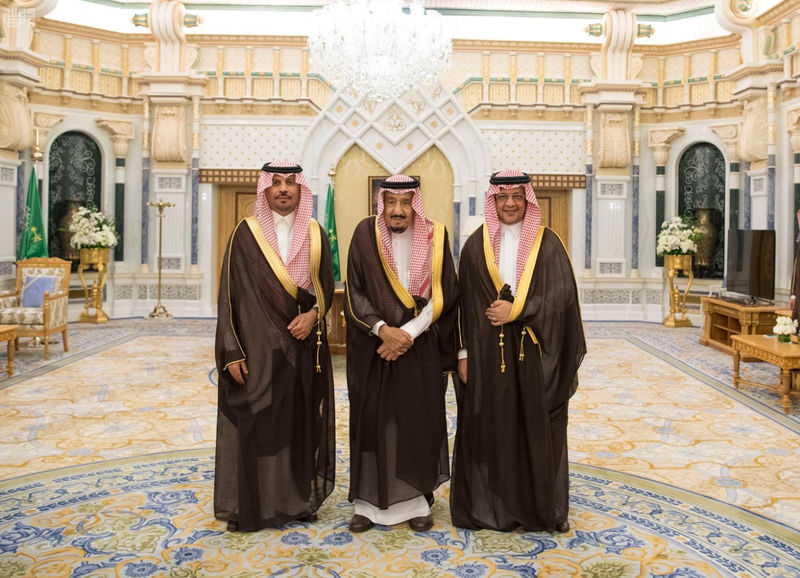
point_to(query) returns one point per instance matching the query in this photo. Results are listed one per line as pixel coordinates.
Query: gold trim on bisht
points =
(274, 260)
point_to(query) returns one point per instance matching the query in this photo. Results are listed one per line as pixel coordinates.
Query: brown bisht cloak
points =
(510, 460)
(275, 433)
(398, 429)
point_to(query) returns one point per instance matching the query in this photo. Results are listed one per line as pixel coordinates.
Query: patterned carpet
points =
(106, 469)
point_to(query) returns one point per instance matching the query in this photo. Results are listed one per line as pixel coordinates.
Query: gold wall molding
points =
(169, 133)
(558, 181)
(731, 41)
(106, 105)
(15, 121)
(522, 46)
(753, 141)
(230, 176)
(76, 30)
(121, 133)
(664, 116)
(528, 113)
(785, 9)
(614, 150)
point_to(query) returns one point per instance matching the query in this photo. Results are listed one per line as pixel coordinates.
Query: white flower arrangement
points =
(91, 229)
(677, 237)
(785, 326)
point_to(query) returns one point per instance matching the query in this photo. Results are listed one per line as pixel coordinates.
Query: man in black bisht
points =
(400, 301)
(522, 343)
(275, 425)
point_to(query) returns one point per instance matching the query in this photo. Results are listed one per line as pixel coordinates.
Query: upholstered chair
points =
(38, 304)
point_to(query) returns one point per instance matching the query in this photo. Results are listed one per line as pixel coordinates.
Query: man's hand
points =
(238, 371)
(301, 326)
(498, 312)
(395, 342)
(462, 370)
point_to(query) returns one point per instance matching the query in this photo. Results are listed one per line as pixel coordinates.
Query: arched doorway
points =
(75, 177)
(701, 189)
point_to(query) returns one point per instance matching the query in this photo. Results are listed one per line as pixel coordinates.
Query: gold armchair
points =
(42, 321)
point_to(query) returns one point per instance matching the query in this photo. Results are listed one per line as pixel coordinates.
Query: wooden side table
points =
(9, 333)
(786, 356)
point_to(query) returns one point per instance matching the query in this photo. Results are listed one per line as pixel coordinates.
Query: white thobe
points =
(415, 507)
(284, 227)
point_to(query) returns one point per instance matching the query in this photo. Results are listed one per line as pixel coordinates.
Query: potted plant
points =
(677, 242)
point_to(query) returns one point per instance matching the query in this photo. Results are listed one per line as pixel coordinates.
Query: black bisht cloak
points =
(275, 457)
(510, 464)
(398, 428)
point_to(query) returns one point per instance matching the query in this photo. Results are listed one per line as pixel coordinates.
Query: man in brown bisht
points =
(401, 293)
(522, 343)
(275, 422)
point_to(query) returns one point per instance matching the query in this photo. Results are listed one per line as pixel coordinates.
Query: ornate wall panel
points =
(728, 59)
(470, 96)
(698, 92)
(700, 64)
(81, 80)
(81, 51)
(542, 151)
(136, 59)
(291, 88)
(318, 92)
(553, 66)
(234, 57)
(724, 91)
(51, 45)
(554, 93)
(674, 68)
(581, 67)
(650, 97)
(248, 146)
(169, 133)
(463, 65)
(263, 87)
(673, 95)
(52, 77)
(212, 87)
(701, 185)
(527, 93)
(499, 92)
(110, 85)
(526, 65)
(110, 56)
(206, 58)
(235, 87)
(499, 65)
(649, 72)
(291, 59)
(75, 174)
(262, 59)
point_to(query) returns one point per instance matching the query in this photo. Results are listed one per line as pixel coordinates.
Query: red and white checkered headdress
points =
(419, 278)
(511, 179)
(299, 258)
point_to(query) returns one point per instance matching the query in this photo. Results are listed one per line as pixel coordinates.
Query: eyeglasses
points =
(517, 198)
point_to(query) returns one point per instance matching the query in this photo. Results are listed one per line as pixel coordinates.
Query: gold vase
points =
(708, 238)
(67, 251)
(677, 299)
(95, 258)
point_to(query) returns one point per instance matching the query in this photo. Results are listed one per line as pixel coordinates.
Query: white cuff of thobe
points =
(462, 353)
(421, 322)
(377, 327)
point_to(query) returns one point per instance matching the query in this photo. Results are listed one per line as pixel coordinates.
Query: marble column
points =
(660, 140)
(121, 134)
(589, 138)
(730, 134)
(637, 143)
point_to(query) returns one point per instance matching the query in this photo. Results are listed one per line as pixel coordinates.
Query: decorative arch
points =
(397, 132)
(701, 186)
(75, 174)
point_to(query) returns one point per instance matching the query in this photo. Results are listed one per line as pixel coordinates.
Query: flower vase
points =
(93, 258)
(785, 338)
(677, 299)
(64, 234)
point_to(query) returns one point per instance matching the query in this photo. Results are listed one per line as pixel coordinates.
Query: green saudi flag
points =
(330, 228)
(33, 242)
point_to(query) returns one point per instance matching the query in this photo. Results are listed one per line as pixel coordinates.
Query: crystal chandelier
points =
(376, 49)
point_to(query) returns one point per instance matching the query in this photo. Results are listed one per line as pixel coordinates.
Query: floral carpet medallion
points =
(106, 469)
(153, 516)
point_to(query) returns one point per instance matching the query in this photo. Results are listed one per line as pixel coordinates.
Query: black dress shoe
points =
(421, 523)
(233, 526)
(359, 523)
(562, 527)
(311, 518)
